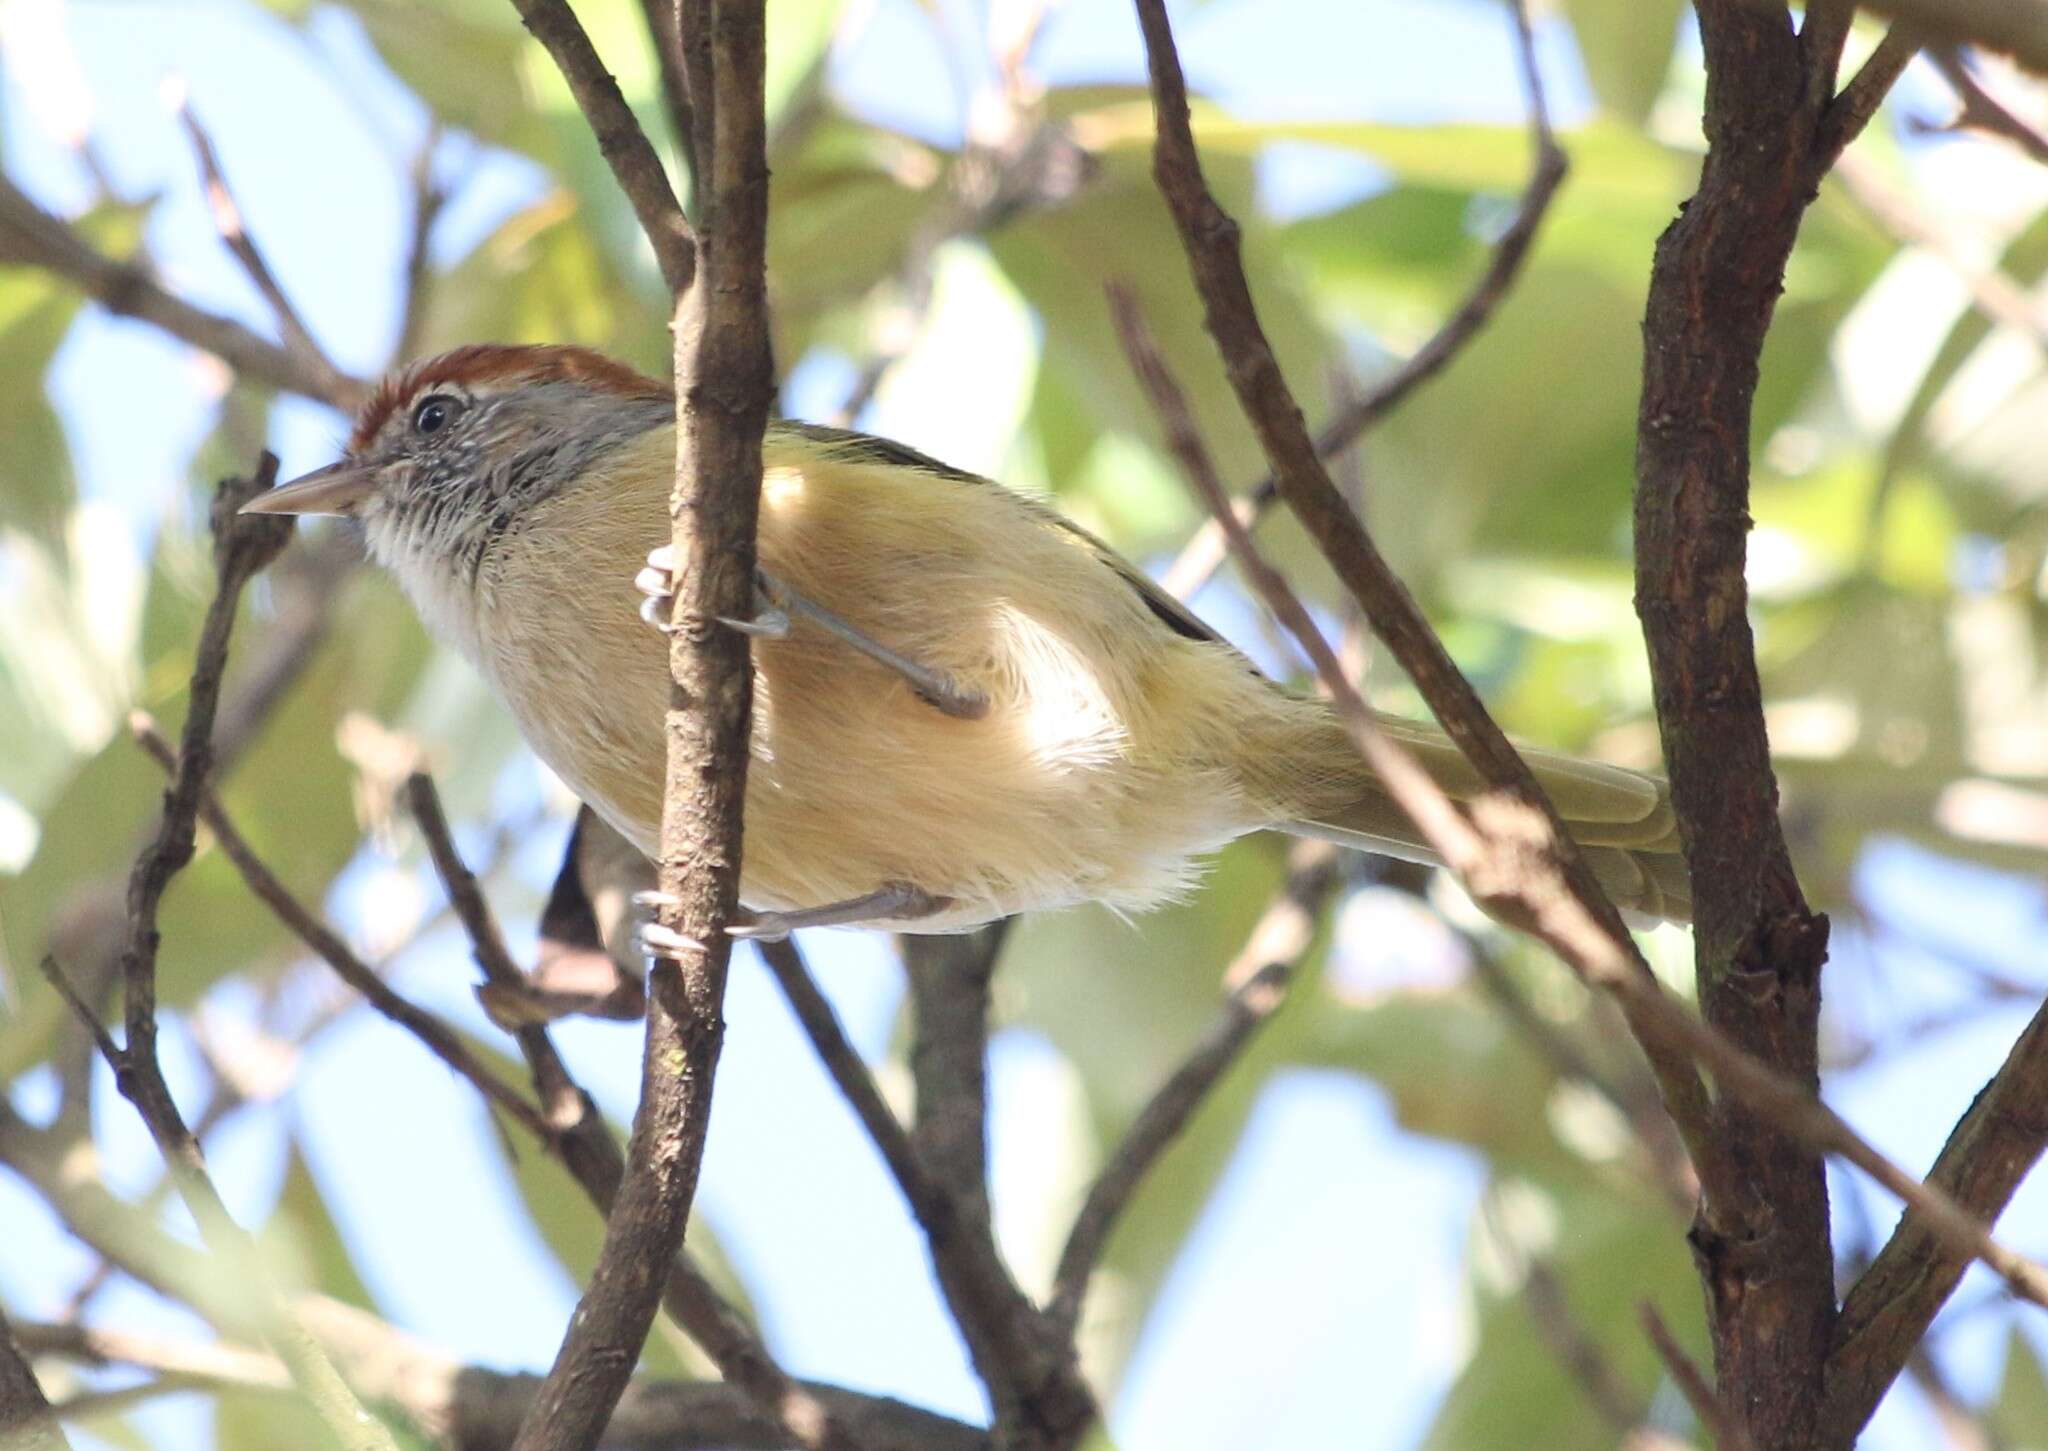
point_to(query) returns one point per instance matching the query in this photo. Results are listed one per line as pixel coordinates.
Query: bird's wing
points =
(866, 447)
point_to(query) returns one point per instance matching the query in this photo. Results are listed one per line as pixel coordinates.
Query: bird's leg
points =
(933, 687)
(892, 902)
(776, 605)
(657, 581)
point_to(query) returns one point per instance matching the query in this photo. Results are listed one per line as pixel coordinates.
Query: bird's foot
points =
(656, 582)
(893, 902)
(663, 943)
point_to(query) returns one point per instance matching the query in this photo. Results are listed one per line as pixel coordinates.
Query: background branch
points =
(25, 1420)
(1207, 546)
(1257, 981)
(30, 235)
(724, 381)
(624, 145)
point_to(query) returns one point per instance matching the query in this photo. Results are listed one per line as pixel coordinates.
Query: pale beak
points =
(337, 489)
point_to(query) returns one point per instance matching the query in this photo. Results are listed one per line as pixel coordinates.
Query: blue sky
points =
(1284, 1296)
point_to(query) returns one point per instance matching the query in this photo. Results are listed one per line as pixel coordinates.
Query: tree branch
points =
(1982, 111)
(476, 1409)
(576, 1131)
(1206, 548)
(1886, 1313)
(2018, 28)
(243, 545)
(438, 1038)
(31, 236)
(1850, 111)
(1023, 1356)
(1536, 881)
(227, 220)
(724, 381)
(1258, 979)
(25, 1420)
(1773, 128)
(1560, 903)
(1711, 1411)
(619, 137)
(664, 38)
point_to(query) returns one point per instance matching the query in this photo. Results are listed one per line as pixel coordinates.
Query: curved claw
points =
(661, 942)
(761, 927)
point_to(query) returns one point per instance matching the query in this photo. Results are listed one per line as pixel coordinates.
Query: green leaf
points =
(2019, 1413)
(37, 488)
(1626, 46)
(303, 1236)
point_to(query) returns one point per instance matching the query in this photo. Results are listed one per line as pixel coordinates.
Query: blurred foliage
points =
(1899, 578)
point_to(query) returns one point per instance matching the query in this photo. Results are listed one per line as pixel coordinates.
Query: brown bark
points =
(1772, 128)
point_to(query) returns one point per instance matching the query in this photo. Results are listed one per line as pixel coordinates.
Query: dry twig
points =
(619, 137)
(1257, 980)
(1515, 856)
(1018, 1356)
(1021, 1355)
(30, 235)
(227, 220)
(242, 546)
(1206, 548)
(724, 381)
(1693, 1384)
(1982, 111)
(575, 1130)
(437, 1037)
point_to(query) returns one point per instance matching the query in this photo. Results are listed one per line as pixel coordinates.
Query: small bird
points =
(966, 706)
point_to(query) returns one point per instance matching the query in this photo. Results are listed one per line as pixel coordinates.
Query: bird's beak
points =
(337, 489)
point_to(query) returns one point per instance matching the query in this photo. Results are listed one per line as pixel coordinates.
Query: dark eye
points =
(434, 414)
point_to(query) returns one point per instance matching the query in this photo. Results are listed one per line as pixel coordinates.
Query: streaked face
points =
(447, 455)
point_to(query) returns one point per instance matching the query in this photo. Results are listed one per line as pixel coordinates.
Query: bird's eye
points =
(434, 414)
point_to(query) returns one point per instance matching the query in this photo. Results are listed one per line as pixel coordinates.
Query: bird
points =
(966, 706)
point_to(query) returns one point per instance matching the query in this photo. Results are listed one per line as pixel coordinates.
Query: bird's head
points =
(448, 453)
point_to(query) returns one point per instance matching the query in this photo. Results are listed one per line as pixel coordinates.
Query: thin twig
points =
(1572, 916)
(1636, 1102)
(576, 1132)
(437, 1037)
(619, 137)
(1990, 1151)
(30, 235)
(1582, 1357)
(26, 1422)
(1206, 548)
(1692, 1383)
(479, 1409)
(1852, 108)
(1982, 111)
(2018, 28)
(1023, 1355)
(298, 339)
(243, 545)
(1823, 36)
(429, 197)
(664, 38)
(1257, 981)
(724, 381)
(1539, 882)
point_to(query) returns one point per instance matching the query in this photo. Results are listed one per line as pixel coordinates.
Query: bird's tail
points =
(1622, 819)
